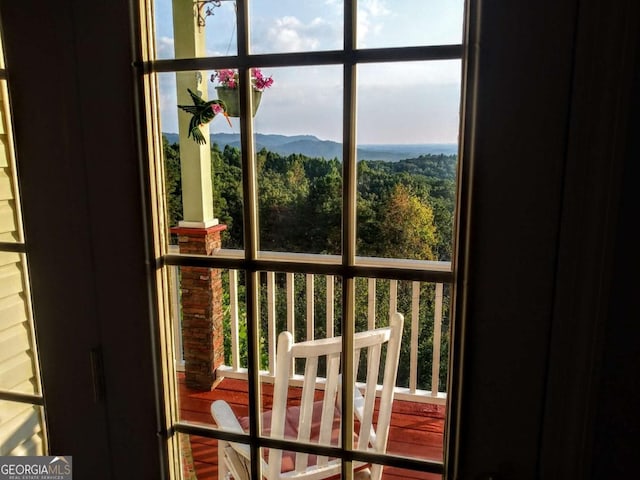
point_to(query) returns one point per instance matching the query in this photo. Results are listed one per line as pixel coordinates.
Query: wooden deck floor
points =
(416, 429)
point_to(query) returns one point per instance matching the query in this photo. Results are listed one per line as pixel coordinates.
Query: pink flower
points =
(261, 83)
(226, 77)
(229, 78)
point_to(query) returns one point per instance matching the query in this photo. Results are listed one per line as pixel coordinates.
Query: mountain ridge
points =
(312, 146)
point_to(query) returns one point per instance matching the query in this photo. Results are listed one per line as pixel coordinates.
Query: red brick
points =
(201, 289)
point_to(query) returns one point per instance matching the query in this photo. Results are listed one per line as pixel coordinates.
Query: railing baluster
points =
(291, 317)
(310, 306)
(437, 334)
(330, 306)
(415, 333)
(290, 306)
(371, 297)
(393, 297)
(233, 309)
(271, 319)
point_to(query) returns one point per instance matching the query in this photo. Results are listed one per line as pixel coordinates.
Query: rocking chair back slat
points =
(329, 403)
(306, 409)
(371, 382)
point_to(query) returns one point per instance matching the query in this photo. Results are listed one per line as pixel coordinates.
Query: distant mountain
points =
(312, 146)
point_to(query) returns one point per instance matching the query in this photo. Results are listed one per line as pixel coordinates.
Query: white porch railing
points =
(432, 393)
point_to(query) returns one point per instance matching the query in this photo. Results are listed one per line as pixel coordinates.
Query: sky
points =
(398, 103)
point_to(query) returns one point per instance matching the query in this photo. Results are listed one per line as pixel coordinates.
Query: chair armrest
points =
(358, 402)
(226, 420)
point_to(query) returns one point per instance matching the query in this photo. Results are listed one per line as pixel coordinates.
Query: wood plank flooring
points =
(416, 429)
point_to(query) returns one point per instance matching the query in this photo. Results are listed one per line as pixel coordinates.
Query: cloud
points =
(369, 14)
(375, 8)
(290, 34)
(164, 46)
(167, 98)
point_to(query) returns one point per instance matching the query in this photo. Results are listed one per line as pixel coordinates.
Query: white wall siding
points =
(21, 424)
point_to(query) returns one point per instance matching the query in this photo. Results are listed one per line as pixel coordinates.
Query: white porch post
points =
(195, 164)
(199, 232)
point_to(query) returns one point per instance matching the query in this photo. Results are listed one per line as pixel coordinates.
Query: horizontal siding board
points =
(7, 217)
(10, 280)
(8, 258)
(24, 387)
(10, 410)
(4, 151)
(13, 311)
(6, 185)
(13, 341)
(11, 237)
(18, 370)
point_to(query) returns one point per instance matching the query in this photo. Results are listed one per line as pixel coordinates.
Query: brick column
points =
(201, 302)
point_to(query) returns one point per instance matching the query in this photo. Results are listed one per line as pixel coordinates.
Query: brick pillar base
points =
(201, 302)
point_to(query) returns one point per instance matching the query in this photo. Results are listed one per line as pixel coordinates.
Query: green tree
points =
(226, 173)
(407, 228)
(173, 182)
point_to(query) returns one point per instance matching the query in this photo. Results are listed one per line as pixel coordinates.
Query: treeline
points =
(404, 209)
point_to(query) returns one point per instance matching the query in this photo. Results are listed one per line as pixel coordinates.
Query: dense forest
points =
(404, 210)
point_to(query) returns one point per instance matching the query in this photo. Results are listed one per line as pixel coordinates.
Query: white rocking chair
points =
(318, 421)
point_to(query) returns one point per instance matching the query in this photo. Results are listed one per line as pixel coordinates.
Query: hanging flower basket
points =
(227, 89)
(231, 98)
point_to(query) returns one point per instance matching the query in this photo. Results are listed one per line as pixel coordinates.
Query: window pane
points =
(406, 474)
(424, 349)
(299, 127)
(21, 429)
(303, 101)
(408, 23)
(212, 24)
(199, 456)
(307, 305)
(418, 410)
(407, 150)
(289, 458)
(295, 26)
(209, 321)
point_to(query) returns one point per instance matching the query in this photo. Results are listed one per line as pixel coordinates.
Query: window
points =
(22, 423)
(531, 332)
(324, 211)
